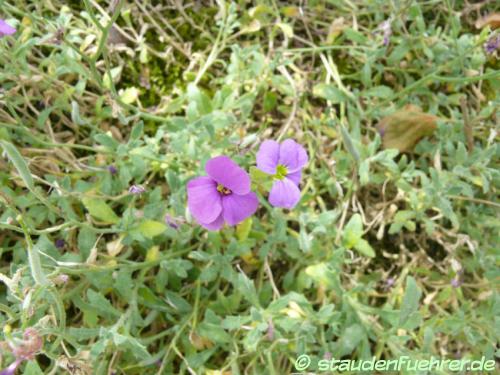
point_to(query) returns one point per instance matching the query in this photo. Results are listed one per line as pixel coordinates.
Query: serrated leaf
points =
(101, 305)
(410, 300)
(405, 128)
(99, 209)
(138, 350)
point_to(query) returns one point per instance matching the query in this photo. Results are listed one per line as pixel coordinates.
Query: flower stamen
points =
(223, 190)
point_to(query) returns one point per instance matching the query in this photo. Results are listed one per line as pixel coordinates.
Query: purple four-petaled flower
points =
(285, 162)
(6, 29)
(223, 196)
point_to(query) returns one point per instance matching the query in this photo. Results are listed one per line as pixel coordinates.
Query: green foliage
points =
(389, 253)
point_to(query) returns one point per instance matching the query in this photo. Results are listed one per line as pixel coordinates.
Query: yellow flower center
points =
(223, 190)
(281, 172)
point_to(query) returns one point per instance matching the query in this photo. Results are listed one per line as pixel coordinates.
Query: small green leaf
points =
(383, 92)
(138, 350)
(410, 300)
(353, 231)
(19, 163)
(258, 176)
(243, 229)
(349, 144)
(198, 100)
(355, 36)
(328, 92)
(363, 247)
(101, 305)
(100, 210)
(151, 228)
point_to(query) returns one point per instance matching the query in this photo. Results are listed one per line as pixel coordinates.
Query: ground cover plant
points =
(222, 187)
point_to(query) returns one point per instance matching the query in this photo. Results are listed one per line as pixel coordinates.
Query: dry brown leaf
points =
(492, 20)
(405, 128)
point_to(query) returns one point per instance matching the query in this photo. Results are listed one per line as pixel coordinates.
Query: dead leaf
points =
(492, 20)
(200, 342)
(405, 128)
(336, 28)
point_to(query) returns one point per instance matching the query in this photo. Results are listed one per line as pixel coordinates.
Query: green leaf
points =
(258, 176)
(32, 368)
(383, 92)
(247, 288)
(363, 247)
(353, 231)
(137, 131)
(200, 101)
(349, 144)
(151, 228)
(328, 92)
(243, 229)
(19, 163)
(101, 305)
(138, 350)
(100, 210)
(355, 36)
(350, 339)
(409, 305)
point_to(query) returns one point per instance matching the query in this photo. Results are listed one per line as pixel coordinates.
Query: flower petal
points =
(214, 225)
(268, 156)
(204, 200)
(6, 29)
(229, 174)
(295, 177)
(237, 208)
(292, 155)
(284, 193)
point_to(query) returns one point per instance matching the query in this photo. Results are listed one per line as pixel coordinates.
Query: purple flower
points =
(60, 243)
(112, 169)
(285, 162)
(136, 189)
(222, 196)
(456, 282)
(6, 29)
(171, 221)
(385, 28)
(492, 44)
(11, 370)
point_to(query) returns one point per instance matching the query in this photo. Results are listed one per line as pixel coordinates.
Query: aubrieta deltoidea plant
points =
(224, 195)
